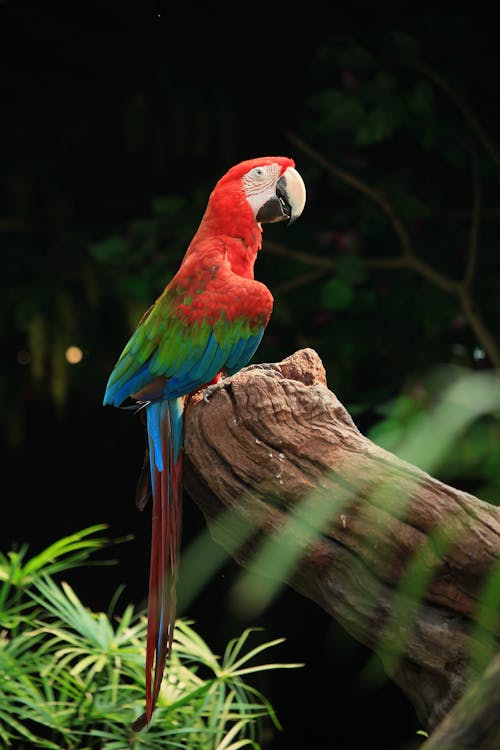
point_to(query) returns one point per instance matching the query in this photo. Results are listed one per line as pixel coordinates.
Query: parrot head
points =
(274, 189)
(264, 190)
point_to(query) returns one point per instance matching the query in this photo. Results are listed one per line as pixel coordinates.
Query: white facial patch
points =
(259, 184)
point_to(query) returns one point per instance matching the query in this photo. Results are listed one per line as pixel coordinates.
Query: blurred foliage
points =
(18, 573)
(74, 678)
(391, 271)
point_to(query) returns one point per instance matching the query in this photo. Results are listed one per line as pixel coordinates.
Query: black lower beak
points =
(282, 196)
(276, 208)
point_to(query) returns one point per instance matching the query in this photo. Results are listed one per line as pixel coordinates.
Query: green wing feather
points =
(188, 353)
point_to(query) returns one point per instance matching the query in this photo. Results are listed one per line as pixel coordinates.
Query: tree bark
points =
(473, 723)
(397, 557)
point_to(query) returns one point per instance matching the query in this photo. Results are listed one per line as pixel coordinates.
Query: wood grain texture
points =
(400, 559)
(473, 723)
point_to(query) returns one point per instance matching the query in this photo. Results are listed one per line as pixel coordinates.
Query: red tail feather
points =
(165, 547)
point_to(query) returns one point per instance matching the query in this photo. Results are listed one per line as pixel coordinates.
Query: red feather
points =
(165, 548)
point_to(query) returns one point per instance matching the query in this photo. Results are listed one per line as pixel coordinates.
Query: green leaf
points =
(168, 205)
(340, 112)
(421, 100)
(137, 287)
(337, 294)
(71, 670)
(110, 250)
(387, 434)
(351, 269)
(380, 123)
(74, 548)
(356, 57)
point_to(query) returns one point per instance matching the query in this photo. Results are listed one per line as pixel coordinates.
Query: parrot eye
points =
(257, 172)
(259, 180)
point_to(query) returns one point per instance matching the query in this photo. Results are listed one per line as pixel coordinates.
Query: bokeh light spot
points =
(74, 355)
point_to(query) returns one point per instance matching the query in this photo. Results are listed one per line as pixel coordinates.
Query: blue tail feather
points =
(161, 413)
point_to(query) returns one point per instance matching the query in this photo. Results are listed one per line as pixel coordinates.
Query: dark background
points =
(115, 122)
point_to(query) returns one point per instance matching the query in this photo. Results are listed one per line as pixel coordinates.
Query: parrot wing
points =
(190, 334)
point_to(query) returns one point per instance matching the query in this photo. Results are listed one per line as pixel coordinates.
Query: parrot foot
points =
(209, 391)
(268, 368)
(136, 407)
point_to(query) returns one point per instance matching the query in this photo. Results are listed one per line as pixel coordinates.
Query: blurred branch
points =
(469, 116)
(292, 284)
(329, 264)
(324, 266)
(302, 257)
(374, 195)
(409, 258)
(483, 333)
(474, 223)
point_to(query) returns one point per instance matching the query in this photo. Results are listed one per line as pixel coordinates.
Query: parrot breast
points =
(209, 290)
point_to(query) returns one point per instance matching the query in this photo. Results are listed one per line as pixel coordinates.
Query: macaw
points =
(208, 321)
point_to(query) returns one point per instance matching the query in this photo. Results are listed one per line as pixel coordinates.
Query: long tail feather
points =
(165, 441)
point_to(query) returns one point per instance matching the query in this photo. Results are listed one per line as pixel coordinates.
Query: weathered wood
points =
(273, 448)
(473, 723)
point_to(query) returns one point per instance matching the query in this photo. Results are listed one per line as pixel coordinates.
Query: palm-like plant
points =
(73, 678)
(17, 573)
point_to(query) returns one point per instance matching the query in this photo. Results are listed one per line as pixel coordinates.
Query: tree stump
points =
(397, 557)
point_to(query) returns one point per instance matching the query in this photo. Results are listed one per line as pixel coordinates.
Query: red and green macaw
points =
(209, 320)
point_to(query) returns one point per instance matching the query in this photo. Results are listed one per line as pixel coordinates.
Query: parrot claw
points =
(135, 408)
(268, 368)
(209, 391)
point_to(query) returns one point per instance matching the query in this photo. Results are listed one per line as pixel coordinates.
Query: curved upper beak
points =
(289, 200)
(291, 190)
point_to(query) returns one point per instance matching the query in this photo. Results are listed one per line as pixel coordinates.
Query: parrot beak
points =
(289, 200)
(291, 190)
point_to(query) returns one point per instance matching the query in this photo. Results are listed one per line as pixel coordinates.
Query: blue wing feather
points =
(193, 367)
(117, 391)
(242, 353)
